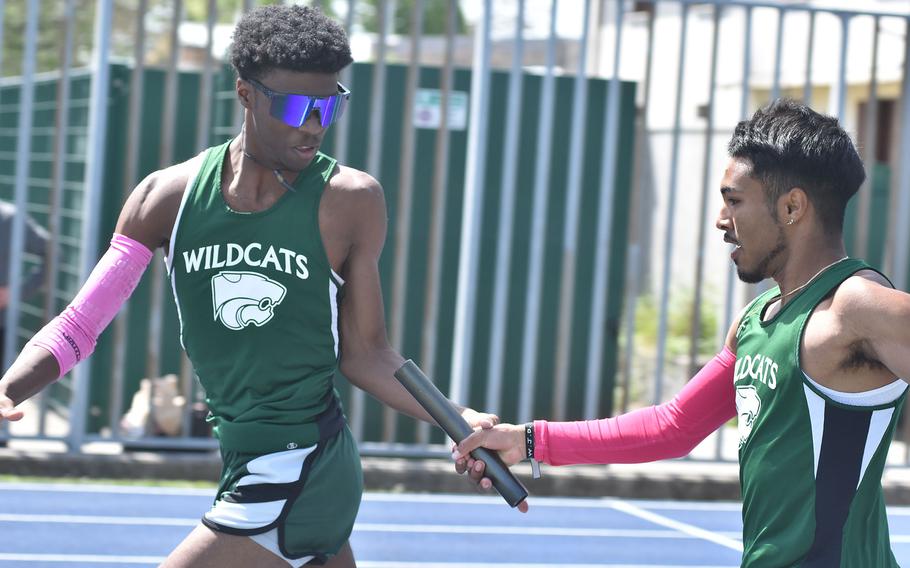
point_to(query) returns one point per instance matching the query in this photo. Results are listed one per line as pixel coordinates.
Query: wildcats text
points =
(254, 254)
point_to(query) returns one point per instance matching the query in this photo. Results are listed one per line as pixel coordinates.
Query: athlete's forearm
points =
(34, 369)
(374, 372)
(71, 337)
(659, 432)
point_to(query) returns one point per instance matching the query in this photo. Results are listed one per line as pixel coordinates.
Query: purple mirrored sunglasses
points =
(294, 110)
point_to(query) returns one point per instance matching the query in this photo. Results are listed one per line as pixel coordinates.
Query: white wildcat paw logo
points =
(244, 298)
(748, 406)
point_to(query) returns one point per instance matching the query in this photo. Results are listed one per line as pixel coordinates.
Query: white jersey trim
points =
(169, 259)
(875, 397)
(878, 426)
(816, 406)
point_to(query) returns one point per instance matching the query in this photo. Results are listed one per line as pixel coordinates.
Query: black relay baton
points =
(447, 416)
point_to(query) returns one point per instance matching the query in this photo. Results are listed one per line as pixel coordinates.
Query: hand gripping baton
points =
(449, 419)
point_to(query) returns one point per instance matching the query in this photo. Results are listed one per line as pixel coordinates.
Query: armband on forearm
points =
(529, 450)
(71, 336)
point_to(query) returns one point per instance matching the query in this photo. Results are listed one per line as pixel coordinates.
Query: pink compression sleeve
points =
(72, 335)
(669, 430)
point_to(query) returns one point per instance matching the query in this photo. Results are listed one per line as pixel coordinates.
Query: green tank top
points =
(810, 467)
(258, 308)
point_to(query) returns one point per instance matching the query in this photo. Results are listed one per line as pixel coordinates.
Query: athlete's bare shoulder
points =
(358, 199)
(354, 184)
(861, 304)
(150, 211)
(860, 291)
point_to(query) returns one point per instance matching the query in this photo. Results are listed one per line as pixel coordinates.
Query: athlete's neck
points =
(805, 265)
(251, 161)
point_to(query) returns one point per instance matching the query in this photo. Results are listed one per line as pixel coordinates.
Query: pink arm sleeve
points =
(71, 336)
(669, 430)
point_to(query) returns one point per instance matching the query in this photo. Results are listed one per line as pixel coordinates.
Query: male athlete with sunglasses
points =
(261, 235)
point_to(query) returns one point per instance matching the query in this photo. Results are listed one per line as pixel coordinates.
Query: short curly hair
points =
(296, 38)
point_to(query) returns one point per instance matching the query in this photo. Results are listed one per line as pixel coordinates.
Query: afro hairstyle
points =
(295, 38)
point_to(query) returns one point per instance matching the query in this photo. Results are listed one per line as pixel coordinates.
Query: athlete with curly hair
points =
(261, 234)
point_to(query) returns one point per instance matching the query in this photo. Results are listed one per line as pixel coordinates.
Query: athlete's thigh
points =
(344, 558)
(205, 548)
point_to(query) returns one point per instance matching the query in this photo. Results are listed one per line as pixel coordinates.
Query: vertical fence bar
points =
(570, 230)
(501, 288)
(60, 148)
(671, 210)
(778, 53)
(343, 128)
(121, 322)
(374, 156)
(839, 98)
(743, 114)
(52, 249)
(94, 182)
(2, 12)
(203, 130)
(538, 227)
(4, 427)
(237, 121)
(472, 211)
(899, 228)
(239, 113)
(204, 119)
(810, 53)
(20, 191)
(705, 191)
(639, 212)
(429, 331)
(864, 205)
(166, 158)
(600, 289)
(405, 206)
(374, 162)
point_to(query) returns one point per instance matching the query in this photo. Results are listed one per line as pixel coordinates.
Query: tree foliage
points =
(157, 22)
(435, 13)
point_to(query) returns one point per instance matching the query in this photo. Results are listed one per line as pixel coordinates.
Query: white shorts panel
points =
(245, 516)
(269, 541)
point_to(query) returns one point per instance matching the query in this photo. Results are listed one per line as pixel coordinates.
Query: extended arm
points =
(143, 226)
(665, 431)
(658, 432)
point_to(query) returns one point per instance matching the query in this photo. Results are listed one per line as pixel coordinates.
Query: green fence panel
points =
(424, 165)
(880, 176)
(224, 108)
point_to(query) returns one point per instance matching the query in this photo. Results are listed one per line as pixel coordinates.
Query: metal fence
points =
(520, 314)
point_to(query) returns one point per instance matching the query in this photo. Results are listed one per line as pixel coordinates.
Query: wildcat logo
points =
(244, 298)
(748, 405)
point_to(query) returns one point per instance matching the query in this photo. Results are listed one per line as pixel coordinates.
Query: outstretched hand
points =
(507, 439)
(8, 410)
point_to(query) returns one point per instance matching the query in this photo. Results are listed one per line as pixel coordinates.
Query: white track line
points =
(519, 531)
(366, 527)
(99, 520)
(688, 529)
(82, 558)
(101, 559)
(100, 488)
(396, 564)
